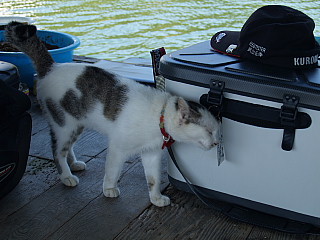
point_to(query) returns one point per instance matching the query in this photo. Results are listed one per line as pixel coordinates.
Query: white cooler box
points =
(271, 133)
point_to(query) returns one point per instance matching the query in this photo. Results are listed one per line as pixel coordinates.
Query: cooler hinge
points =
(288, 115)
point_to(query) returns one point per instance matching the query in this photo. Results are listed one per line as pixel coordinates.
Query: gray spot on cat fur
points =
(73, 137)
(54, 150)
(96, 84)
(151, 182)
(56, 112)
(74, 105)
(195, 114)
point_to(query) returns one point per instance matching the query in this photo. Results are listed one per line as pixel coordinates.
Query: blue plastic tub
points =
(66, 43)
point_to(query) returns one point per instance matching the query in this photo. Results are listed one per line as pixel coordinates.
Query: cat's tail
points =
(25, 39)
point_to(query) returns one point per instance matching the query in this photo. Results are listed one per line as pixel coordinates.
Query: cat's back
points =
(64, 73)
(86, 82)
(61, 78)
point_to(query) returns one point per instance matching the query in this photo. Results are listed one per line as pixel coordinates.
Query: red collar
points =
(167, 139)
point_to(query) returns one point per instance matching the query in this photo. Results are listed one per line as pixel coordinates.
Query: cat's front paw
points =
(78, 166)
(111, 192)
(160, 201)
(70, 181)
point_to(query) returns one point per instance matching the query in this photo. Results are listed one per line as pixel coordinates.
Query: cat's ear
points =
(25, 31)
(183, 110)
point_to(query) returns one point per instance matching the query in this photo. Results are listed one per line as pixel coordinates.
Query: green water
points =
(119, 29)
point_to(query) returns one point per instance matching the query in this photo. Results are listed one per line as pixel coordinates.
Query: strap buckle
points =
(215, 96)
(288, 115)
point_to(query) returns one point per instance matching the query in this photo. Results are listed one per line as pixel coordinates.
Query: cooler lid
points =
(202, 54)
(199, 65)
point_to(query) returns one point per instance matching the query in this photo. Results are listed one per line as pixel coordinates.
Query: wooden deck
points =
(40, 207)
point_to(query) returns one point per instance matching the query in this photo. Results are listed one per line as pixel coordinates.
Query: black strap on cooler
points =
(247, 215)
(287, 118)
(288, 115)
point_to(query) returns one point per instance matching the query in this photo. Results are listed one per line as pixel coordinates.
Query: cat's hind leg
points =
(152, 167)
(62, 142)
(113, 167)
(74, 164)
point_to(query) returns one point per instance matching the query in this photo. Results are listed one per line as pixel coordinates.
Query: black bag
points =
(15, 135)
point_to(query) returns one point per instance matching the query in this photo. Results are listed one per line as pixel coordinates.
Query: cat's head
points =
(192, 123)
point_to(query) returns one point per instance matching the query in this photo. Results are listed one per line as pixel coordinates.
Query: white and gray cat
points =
(75, 96)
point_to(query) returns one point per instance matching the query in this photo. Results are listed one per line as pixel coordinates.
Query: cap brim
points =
(226, 42)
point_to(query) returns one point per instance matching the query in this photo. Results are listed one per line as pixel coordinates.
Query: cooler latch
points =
(288, 114)
(215, 96)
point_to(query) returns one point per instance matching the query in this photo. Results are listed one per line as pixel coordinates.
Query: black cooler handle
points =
(287, 117)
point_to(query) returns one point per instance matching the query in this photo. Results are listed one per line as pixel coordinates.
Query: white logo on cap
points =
(256, 50)
(220, 36)
(231, 48)
(301, 61)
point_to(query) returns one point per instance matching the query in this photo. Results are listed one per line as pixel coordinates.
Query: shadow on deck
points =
(41, 207)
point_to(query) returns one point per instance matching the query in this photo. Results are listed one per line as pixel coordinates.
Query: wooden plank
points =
(81, 210)
(46, 213)
(31, 185)
(263, 233)
(186, 218)
(40, 176)
(314, 237)
(41, 173)
(84, 59)
(137, 73)
(52, 208)
(104, 218)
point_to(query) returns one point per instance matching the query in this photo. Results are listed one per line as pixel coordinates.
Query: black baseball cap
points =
(273, 34)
